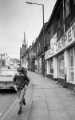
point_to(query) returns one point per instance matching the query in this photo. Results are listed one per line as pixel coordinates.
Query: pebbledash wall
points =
(60, 58)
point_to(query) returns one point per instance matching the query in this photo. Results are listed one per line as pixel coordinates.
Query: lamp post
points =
(42, 14)
(42, 5)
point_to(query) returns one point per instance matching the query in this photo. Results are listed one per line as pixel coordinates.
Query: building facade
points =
(41, 44)
(60, 57)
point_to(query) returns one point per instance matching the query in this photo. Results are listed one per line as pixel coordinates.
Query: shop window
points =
(61, 65)
(67, 8)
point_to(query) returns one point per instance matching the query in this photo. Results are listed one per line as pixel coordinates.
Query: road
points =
(6, 100)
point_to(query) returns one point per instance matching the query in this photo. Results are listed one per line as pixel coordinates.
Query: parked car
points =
(6, 79)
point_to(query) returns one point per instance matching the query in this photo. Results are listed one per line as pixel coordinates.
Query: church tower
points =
(23, 49)
(24, 41)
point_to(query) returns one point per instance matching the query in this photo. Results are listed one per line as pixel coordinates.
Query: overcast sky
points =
(17, 18)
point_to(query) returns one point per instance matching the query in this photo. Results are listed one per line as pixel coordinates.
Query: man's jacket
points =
(21, 80)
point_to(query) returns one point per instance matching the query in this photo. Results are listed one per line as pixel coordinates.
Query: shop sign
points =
(60, 45)
(56, 46)
(70, 36)
(49, 53)
(67, 39)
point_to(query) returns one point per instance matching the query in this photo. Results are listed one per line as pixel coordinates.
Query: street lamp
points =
(40, 4)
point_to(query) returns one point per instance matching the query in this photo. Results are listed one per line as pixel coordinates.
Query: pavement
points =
(46, 100)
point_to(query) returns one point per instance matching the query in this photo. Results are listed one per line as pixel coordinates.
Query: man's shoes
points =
(20, 111)
(24, 102)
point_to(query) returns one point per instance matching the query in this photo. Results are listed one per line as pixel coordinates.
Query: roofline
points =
(55, 6)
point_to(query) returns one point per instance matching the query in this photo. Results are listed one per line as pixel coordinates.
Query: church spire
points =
(24, 39)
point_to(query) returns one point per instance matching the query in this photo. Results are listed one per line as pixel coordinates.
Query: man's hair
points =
(22, 70)
(19, 69)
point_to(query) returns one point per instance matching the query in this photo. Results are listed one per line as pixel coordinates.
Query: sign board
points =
(56, 46)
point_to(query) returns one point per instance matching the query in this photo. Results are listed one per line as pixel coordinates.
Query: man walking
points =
(21, 80)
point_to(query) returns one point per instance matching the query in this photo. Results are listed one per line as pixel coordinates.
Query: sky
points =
(16, 17)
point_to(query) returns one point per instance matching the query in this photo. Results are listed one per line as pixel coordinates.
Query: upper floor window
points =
(67, 8)
(72, 5)
(74, 2)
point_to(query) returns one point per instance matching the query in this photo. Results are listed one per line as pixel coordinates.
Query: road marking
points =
(10, 108)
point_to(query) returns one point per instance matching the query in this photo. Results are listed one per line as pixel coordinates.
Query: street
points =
(6, 99)
(7, 96)
(48, 101)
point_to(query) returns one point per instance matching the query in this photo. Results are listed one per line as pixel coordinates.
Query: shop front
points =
(61, 60)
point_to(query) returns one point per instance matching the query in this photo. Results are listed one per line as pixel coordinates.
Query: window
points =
(61, 65)
(72, 5)
(67, 8)
(74, 2)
